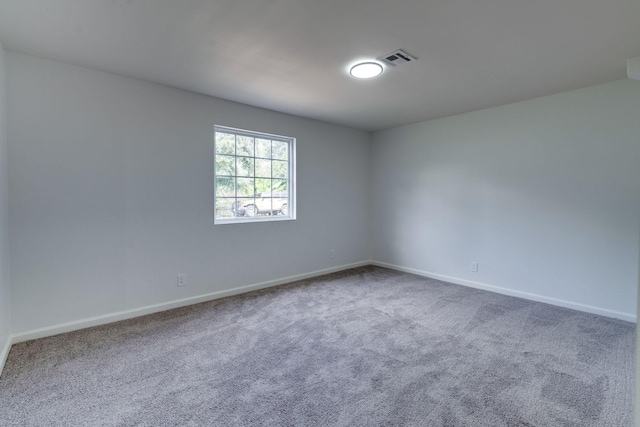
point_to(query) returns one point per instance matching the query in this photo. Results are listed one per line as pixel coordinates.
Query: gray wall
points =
(5, 295)
(111, 182)
(544, 194)
(111, 185)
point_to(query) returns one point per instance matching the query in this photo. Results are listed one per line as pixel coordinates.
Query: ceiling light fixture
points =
(366, 70)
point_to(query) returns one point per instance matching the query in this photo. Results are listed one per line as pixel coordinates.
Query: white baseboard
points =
(136, 312)
(128, 314)
(4, 353)
(505, 291)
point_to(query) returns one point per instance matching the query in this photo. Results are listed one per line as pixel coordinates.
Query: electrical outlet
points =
(474, 267)
(332, 253)
(182, 279)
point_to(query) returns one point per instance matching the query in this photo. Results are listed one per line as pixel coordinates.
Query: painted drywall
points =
(543, 194)
(5, 292)
(111, 195)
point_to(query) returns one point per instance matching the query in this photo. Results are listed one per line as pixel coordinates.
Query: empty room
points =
(319, 213)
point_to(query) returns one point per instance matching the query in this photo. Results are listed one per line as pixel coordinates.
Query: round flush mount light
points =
(366, 70)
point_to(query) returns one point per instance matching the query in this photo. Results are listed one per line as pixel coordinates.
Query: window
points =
(254, 176)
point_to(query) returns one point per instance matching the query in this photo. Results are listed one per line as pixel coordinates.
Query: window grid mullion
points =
(235, 170)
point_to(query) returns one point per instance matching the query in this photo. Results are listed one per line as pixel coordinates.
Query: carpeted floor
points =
(364, 347)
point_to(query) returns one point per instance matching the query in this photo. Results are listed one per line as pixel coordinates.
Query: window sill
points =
(220, 221)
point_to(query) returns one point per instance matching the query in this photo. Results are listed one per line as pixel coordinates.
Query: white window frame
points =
(291, 202)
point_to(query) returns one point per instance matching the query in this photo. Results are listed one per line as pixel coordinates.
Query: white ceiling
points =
(292, 55)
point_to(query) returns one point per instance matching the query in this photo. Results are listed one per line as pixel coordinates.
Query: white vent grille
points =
(396, 57)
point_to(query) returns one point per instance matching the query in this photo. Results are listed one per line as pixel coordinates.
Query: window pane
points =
(225, 143)
(280, 150)
(245, 187)
(244, 146)
(246, 207)
(279, 169)
(263, 148)
(263, 186)
(224, 207)
(280, 203)
(244, 166)
(264, 205)
(263, 168)
(280, 187)
(225, 165)
(225, 186)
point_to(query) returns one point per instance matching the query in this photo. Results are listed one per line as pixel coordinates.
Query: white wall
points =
(5, 295)
(544, 194)
(111, 195)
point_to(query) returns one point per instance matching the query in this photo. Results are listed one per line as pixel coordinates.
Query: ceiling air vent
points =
(396, 57)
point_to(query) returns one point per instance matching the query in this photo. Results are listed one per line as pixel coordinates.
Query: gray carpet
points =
(364, 347)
